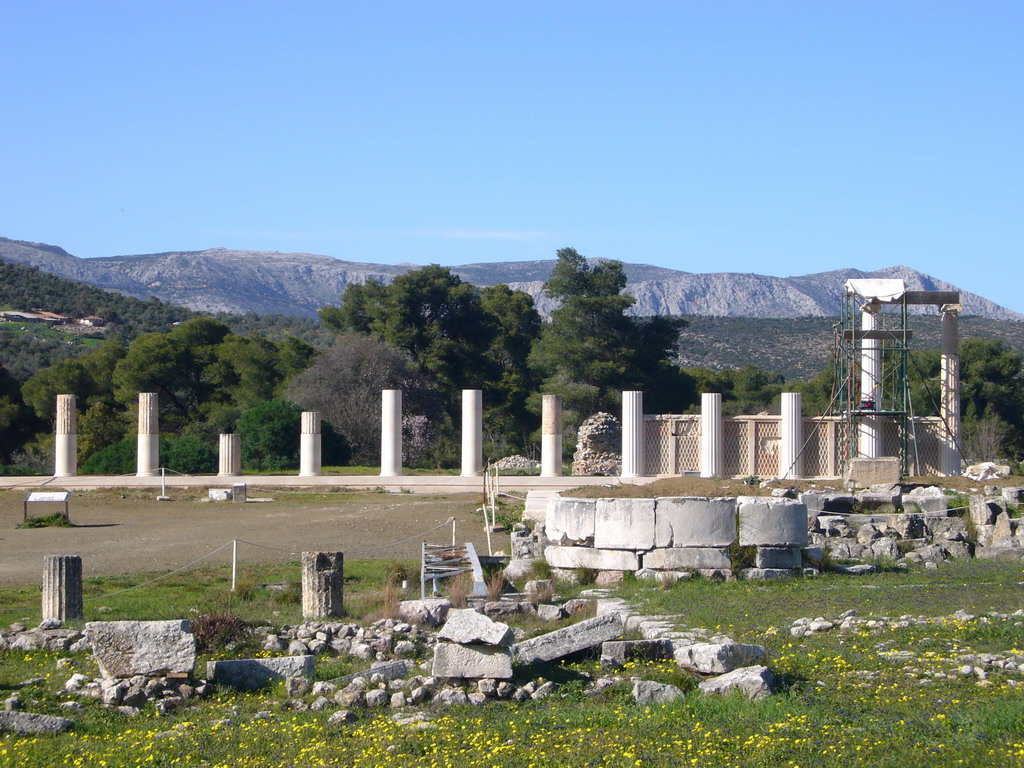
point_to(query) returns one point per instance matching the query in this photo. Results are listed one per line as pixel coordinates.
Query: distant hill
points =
(222, 280)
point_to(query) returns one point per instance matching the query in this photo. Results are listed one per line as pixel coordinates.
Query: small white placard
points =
(49, 496)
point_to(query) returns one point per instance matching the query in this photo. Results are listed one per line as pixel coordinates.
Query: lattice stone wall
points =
(752, 445)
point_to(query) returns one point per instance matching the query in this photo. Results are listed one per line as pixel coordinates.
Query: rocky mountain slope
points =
(222, 280)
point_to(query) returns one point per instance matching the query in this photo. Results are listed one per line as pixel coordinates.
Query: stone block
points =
(431, 612)
(467, 627)
(624, 524)
(29, 722)
(823, 501)
(250, 674)
(984, 510)
(778, 557)
(928, 500)
(864, 472)
(771, 522)
(615, 653)
(571, 521)
(564, 642)
(650, 692)
(763, 574)
(694, 522)
(885, 502)
(150, 648)
(1013, 495)
(472, 661)
(718, 658)
(537, 505)
(754, 682)
(845, 549)
(587, 557)
(907, 526)
(220, 494)
(680, 558)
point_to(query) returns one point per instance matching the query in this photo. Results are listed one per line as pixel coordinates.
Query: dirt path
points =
(133, 533)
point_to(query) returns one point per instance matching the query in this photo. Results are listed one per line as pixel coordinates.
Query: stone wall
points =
(675, 534)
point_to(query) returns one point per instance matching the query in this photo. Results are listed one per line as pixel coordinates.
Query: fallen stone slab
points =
(694, 522)
(764, 574)
(854, 570)
(150, 648)
(785, 558)
(650, 692)
(28, 722)
(1011, 554)
(250, 674)
(430, 613)
(564, 642)
(615, 653)
(718, 658)
(472, 661)
(467, 627)
(756, 682)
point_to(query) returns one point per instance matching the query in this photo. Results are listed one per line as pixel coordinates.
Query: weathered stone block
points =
(624, 524)
(430, 612)
(928, 500)
(1013, 495)
(29, 722)
(587, 557)
(563, 642)
(127, 648)
(616, 653)
(694, 522)
(250, 674)
(754, 682)
(473, 661)
(323, 585)
(467, 627)
(650, 692)
(778, 557)
(984, 510)
(675, 558)
(718, 658)
(864, 472)
(771, 522)
(571, 521)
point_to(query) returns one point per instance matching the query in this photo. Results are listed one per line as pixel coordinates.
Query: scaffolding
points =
(873, 399)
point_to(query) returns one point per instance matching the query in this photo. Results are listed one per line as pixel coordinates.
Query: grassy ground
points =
(882, 697)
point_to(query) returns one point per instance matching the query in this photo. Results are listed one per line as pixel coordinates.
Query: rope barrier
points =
(158, 578)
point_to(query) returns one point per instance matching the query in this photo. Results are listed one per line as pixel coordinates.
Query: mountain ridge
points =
(275, 282)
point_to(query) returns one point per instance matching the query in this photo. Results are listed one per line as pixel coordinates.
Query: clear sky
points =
(772, 137)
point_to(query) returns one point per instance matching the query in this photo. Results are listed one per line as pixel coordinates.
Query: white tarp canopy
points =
(885, 290)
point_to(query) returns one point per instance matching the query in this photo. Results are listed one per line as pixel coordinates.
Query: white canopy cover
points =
(885, 290)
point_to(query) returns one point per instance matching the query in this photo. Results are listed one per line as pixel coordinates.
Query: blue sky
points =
(772, 137)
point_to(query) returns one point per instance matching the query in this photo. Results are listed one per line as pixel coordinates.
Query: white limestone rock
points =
(755, 682)
(467, 627)
(624, 524)
(150, 648)
(675, 558)
(597, 559)
(472, 661)
(571, 521)
(650, 692)
(718, 658)
(695, 522)
(772, 522)
(569, 640)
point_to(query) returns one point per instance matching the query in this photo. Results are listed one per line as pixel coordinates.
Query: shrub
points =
(188, 454)
(56, 520)
(115, 459)
(216, 631)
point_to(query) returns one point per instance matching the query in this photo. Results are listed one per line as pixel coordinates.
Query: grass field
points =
(882, 696)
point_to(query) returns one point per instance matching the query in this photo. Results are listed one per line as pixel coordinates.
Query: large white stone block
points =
(475, 661)
(677, 558)
(772, 522)
(571, 521)
(588, 557)
(624, 524)
(128, 648)
(467, 627)
(569, 640)
(694, 522)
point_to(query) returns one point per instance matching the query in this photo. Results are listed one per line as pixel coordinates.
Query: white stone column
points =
(711, 453)
(65, 456)
(310, 443)
(869, 435)
(551, 436)
(791, 463)
(949, 406)
(391, 433)
(472, 432)
(148, 457)
(230, 455)
(633, 434)
(62, 587)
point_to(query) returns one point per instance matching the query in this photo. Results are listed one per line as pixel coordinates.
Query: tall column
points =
(791, 463)
(472, 432)
(323, 582)
(148, 462)
(310, 445)
(230, 455)
(391, 433)
(949, 406)
(711, 463)
(632, 434)
(65, 457)
(551, 436)
(62, 587)
(869, 437)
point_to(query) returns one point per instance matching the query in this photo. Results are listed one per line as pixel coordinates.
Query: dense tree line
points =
(431, 335)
